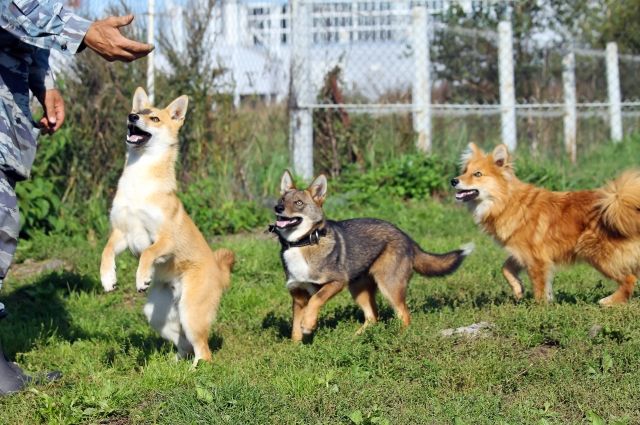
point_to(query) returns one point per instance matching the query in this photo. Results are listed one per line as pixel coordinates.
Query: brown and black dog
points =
(321, 257)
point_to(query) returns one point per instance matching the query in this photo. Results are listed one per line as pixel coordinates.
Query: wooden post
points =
(507, 86)
(570, 113)
(421, 90)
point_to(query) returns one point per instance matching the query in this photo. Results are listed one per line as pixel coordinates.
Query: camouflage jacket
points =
(28, 30)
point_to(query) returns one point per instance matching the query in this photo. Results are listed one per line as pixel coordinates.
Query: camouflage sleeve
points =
(43, 23)
(40, 73)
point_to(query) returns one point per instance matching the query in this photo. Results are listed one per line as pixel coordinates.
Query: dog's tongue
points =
(134, 137)
(282, 223)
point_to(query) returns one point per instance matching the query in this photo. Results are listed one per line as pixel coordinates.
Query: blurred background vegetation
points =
(232, 158)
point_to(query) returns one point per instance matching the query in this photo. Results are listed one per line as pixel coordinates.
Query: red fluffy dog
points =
(541, 229)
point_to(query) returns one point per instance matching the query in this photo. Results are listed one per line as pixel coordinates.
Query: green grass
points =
(539, 365)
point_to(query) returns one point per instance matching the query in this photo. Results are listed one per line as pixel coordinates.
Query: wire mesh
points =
(364, 52)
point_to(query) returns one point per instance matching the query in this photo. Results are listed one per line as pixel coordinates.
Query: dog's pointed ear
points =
(318, 188)
(178, 108)
(140, 100)
(471, 151)
(286, 183)
(501, 155)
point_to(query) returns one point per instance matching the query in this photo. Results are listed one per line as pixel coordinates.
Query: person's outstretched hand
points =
(104, 38)
(53, 106)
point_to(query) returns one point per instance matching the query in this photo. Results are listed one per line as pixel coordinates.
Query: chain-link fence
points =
(459, 76)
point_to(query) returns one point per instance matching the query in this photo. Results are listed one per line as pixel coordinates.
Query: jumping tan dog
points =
(186, 279)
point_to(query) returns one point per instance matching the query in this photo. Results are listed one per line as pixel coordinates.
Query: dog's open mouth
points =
(283, 222)
(136, 136)
(467, 195)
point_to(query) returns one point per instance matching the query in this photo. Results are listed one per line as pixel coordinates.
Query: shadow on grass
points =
(281, 325)
(588, 295)
(38, 310)
(329, 318)
(465, 300)
(142, 346)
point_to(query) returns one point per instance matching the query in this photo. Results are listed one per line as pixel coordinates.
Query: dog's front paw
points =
(296, 335)
(518, 294)
(109, 281)
(308, 325)
(143, 280)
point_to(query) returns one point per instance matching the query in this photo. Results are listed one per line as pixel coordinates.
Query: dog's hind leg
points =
(392, 276)
(201, 295)
(363, 292)
(161, 311)
(622, 294)
(510, 270)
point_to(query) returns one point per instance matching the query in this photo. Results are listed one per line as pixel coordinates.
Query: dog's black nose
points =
(279, 208)
(454, 182)
(134, 117)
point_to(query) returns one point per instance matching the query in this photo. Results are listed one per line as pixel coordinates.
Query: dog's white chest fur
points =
(133, 214)
(298, 271)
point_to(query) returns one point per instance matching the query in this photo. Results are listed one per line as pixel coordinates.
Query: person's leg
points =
(11, 377)
(9, 226)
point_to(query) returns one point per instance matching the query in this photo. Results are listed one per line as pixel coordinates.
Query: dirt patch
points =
(116, 420)
(30, 268)
(543, 352)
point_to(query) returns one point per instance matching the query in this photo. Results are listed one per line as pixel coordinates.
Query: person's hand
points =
(104, 38)
(53, 106)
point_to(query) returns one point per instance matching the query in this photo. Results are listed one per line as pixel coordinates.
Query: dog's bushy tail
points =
(225, 259)
(619, 204)
(428, 264)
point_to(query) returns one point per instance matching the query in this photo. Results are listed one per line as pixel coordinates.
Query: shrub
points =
(411, 176)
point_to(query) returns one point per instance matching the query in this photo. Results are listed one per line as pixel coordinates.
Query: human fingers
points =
(123, 55)
(118, 21)
(136, 47)
(59, 112)
(44, 125)
(50, 107)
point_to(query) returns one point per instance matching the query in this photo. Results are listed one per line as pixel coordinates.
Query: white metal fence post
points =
(300, 115)
(507, 86)
(421, 90)
(570, 113)
(613, 89)
(151, 90)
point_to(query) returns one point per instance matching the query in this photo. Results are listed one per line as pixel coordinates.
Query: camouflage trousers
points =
(9, 224)
(18, 142)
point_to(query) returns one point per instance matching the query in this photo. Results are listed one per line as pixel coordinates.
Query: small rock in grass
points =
(471, 331)
(595, 330)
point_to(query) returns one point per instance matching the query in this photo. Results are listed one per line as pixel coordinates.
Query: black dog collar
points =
(312, 238)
